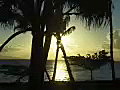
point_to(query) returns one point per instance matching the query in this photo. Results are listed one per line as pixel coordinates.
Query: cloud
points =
(106, 45)
(9, 52)
(116, 40)
(7, 57)
(9, 49)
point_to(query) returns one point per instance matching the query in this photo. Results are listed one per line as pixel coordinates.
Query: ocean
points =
(79, 73)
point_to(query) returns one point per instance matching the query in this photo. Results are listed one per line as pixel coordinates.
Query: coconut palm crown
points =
(89, 11)
(49, 13)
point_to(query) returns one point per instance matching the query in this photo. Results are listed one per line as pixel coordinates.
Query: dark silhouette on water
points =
(91, 62)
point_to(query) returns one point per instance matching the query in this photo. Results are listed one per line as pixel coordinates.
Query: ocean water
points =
(79, 73)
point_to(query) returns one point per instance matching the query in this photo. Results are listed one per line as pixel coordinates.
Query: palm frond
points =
(11, 10)
(6, 14)
(67, 20)
(68, 31)
(54, 34)
(94, 12)
(22, 23)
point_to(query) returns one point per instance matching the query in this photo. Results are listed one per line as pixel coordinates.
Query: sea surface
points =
(79, 73)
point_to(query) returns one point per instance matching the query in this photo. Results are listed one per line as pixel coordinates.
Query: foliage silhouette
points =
(12, 37)
(91, 63)
(60, 46)
(37, 13)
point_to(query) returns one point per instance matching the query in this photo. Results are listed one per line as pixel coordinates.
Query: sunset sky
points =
(81, 41)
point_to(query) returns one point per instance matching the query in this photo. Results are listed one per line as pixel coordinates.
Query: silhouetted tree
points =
(60, 46)
(93, 17)
(12, 37)
(103, 55)
(93, 64)
(27, 14)
(111, 40)
(37, 13)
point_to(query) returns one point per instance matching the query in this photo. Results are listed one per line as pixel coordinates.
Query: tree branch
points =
(12, 36)
(69, 10)
(73, 13)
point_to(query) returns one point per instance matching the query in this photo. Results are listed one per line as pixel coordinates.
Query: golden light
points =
(61, 73)
(54, 43)
(66, 41)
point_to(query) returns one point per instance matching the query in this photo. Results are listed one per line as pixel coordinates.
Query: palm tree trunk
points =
(46, 50)
(91, 74)
(47, 45)
(111, 42)
(55, 65)
(47, 74)
(36, 68)
(67, 64)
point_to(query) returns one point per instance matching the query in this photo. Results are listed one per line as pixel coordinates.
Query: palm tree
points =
(12, 37)
(26, 13)
(94, 17)
(36, 14)
(111, 41)
(92, 64)
(60, 46)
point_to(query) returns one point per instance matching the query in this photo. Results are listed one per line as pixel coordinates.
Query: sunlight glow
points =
(61, 73)
(66, 41)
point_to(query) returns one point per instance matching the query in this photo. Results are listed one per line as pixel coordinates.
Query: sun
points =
(66, 41)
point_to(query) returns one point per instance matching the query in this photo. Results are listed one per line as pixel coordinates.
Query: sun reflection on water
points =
(61, 72)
